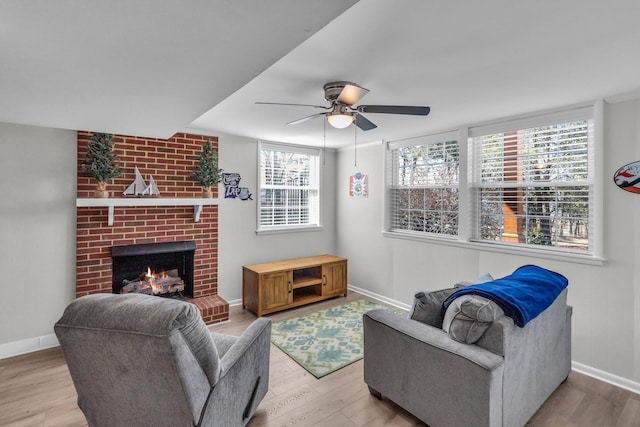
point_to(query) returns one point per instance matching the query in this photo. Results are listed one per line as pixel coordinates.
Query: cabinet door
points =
(334, 279)
(276, 290)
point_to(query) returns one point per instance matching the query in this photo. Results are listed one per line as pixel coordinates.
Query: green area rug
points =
(327, 340)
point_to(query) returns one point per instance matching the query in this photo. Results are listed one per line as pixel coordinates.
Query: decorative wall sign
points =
(628, 177)
(359, 186)
(232, 189)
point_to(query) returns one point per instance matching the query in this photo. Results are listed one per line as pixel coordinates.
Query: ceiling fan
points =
(342, 112)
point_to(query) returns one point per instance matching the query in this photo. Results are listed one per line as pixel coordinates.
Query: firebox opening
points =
(163, 269)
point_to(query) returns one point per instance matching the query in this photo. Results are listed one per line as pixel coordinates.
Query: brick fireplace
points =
(170, 161)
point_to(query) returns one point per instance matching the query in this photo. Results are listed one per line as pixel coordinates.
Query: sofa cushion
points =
(468, 317)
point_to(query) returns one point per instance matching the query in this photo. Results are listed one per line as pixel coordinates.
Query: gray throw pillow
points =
(427, 306)
(468, 317)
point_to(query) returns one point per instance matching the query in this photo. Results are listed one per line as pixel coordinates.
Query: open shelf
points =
(112, 203)
(305, 299)
(307, 276)
(306, 281)
(301, 293)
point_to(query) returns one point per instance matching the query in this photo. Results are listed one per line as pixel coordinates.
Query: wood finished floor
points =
(36, 390)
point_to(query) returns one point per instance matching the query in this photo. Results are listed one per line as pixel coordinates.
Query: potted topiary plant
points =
(207, 173)
(101, 162)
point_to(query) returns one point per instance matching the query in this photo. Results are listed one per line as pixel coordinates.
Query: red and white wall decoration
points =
(359, 186)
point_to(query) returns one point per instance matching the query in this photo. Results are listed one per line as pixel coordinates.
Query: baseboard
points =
(29, 345)
(380, 298)
(234, 302)
(615, 380)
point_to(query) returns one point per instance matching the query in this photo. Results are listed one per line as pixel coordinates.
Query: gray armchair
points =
(139, 360)
(499, 380)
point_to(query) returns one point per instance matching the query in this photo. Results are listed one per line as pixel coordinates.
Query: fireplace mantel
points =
(111, 203)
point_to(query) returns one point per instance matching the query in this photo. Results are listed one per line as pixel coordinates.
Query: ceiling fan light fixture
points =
(342, 112)
(340, 121)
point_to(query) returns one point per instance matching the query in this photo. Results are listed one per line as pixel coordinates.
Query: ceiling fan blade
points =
(351, 94)
(363, 123)
(394, 109)
(295, 105)
(306, 119)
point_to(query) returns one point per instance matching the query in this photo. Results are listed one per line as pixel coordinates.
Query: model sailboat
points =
(152, 189)
(140, 188)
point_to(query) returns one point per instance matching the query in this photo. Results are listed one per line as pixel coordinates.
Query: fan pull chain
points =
(324, 141)
(355, 146)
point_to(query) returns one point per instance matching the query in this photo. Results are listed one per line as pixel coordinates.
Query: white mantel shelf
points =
(111, 203)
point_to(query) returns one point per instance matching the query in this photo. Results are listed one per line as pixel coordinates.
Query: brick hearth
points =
(170, 161)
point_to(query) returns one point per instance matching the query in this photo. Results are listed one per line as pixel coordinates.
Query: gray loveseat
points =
(501, 379)
(139, 360)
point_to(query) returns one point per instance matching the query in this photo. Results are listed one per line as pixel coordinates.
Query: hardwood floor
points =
(36, 390)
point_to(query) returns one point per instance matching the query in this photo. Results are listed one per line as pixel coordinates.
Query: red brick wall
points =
(170, 162)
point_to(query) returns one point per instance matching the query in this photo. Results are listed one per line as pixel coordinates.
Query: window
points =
(531, 181)
(289, 187)
(423, 181)
(529, 184)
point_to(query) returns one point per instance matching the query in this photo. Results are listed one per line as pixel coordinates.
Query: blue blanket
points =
(523, 295)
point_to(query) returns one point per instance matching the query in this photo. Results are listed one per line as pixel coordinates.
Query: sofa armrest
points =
(427, 373)
(429, 335)
(247, 342)
(244, 379)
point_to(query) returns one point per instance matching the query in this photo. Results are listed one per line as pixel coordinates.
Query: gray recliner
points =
(499, 380)
(139, 360)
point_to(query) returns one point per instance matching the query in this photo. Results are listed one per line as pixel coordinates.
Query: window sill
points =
(289, 229)
(556, 255)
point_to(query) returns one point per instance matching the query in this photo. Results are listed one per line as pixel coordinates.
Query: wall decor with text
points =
(232, 189)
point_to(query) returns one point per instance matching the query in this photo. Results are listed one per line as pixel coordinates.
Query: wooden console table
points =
(279, 285)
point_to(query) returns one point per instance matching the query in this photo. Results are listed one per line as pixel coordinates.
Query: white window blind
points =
(422, 182)
(532, 181)
(289, 186)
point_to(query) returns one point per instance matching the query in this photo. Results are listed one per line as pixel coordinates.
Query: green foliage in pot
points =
(100, 161)
(207, 173)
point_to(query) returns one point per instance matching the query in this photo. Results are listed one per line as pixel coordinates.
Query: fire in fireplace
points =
(152, 283)
(163, 269)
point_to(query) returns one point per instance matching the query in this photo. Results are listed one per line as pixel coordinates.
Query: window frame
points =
(467, 216)
(296, 149)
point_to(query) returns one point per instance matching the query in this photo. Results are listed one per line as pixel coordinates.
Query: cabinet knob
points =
(290, 286)
(324, 280)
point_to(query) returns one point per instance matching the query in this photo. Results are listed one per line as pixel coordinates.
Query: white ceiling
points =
(141, 67)
(154, 68)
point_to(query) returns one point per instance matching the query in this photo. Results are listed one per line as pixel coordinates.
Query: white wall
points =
(606, 300)
(37, 230)
(238, 243)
